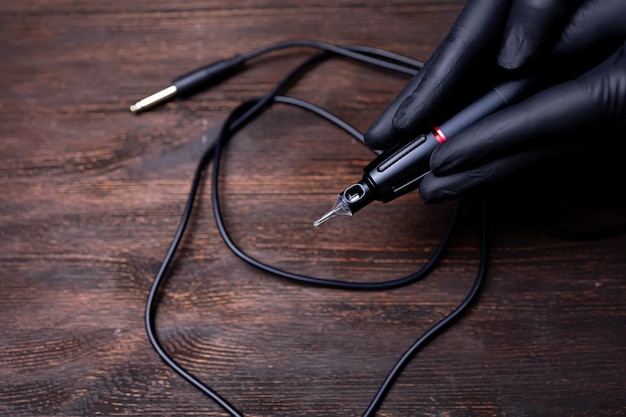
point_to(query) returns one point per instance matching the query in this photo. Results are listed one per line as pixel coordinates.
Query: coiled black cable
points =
(243, 115)
(367, 54)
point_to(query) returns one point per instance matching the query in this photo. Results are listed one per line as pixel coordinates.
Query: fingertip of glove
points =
(405, 122)
(379, 135)
(425, 191)
(431, 192)
(443, 161)
(401, 125)
(514, 52)
(437, 162)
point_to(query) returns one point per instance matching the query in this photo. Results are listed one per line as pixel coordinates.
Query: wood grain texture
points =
(91, 196)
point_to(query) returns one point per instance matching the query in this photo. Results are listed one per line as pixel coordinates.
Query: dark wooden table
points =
(91, 196)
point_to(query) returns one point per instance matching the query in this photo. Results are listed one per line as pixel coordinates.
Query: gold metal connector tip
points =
(156, 98)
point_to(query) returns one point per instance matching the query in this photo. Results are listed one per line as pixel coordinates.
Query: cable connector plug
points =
(192, 82)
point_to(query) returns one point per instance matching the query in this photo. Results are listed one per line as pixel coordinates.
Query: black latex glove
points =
(491, 38)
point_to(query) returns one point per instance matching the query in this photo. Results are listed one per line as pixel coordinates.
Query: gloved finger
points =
(533, 27)
(381, 133)
(595, 23)
(474, 34)
(594, 103)
(473, 37)
(440, 188)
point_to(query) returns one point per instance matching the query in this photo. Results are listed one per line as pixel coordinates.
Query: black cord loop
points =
(237, 120)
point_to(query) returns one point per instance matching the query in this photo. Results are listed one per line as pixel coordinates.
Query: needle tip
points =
(321, 220)
(340, 208)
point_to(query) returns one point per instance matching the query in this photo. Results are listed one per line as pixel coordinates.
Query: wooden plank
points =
(91, 196)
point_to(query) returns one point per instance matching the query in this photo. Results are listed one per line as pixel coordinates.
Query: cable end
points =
(164, 95)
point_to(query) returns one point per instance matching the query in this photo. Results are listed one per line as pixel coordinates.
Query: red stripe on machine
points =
(441, 138)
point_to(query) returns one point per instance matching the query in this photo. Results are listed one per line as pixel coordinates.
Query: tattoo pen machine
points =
(401, 168)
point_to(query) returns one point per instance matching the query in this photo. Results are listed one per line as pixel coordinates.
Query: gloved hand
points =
(578, 46)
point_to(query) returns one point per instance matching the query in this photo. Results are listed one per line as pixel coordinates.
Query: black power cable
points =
(243, 115)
